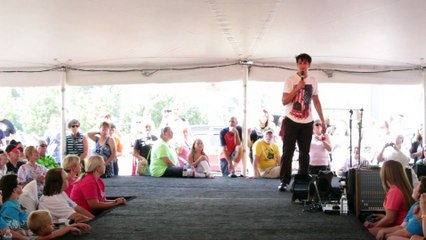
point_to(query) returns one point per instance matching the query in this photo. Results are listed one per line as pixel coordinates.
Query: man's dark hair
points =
(304, 56)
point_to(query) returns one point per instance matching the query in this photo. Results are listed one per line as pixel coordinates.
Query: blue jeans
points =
(224, 167)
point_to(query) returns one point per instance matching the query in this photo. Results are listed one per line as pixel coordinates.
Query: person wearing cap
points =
(266, 156)
(14, 153)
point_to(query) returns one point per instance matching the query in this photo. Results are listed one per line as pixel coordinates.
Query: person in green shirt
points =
(44, 159)
(164, 160)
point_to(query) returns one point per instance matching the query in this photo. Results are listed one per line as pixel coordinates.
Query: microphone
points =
(351, 112)
(302, 75)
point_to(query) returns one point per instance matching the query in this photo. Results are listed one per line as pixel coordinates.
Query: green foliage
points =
(30, 109)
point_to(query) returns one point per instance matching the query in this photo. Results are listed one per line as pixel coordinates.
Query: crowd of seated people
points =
(37, 193)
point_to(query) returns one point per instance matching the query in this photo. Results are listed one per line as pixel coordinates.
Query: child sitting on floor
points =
(199, 161)
(40, 223)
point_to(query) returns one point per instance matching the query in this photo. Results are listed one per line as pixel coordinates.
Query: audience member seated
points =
(54, 199)
(230, 140)
(3, 163)
(320, 149)
(420, 165)
(72, 166)
(11, 211)
(14, 163)
(89, 191)
(356, 162)
(393, 151)
(44, 159)
(411, 225)
(199, 161)
(32, 170)
(41, 224)
(183, 146)
(422, 213)
(257, 131)
(267, 156)
(164, 160)
(143, 145)
(397, 200)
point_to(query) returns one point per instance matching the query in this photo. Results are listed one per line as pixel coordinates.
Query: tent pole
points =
(424, 105)
(246, 68)
(63, 133)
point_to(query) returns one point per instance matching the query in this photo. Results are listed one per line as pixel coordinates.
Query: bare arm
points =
(103, 205)
(85, 148)
(387, 220)
(255, 163)
(84, 212)
(75, 228)
(318, 108)
(168, 161)
(113, 156)
(288, 97)
(93, 135)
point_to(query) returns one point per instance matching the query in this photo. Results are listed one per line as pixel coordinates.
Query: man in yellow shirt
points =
(266, 154)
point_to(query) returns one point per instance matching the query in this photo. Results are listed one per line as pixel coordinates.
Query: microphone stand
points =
(350, 138)
(359, 135)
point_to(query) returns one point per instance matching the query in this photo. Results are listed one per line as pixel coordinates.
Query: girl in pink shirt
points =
(397, 200)
(89, 190)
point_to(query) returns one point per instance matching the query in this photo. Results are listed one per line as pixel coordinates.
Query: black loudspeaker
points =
(365, 190)
(300, 187)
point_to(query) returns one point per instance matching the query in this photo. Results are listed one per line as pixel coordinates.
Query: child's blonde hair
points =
(70, 161)
(37, 220)
(93, 163)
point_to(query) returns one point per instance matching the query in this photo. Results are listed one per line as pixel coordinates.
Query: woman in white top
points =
(54, 199)
(319, 152)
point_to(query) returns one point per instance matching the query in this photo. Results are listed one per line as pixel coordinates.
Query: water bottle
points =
(7, 235)
(343, 204)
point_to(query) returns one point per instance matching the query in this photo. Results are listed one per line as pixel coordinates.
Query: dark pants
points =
(173, 172)
(314, 170)
(300, 133)
(115, 165)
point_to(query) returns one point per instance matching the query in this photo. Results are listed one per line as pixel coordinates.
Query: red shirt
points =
(395, 201)
(70, 186)
(86, 189)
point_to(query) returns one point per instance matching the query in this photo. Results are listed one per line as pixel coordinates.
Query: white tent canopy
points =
(378, 35)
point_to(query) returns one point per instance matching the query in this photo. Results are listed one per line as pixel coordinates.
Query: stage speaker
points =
(300, 187)
(365, 190)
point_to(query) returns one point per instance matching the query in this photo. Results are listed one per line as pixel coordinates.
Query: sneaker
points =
(232, 175)
(283, 187)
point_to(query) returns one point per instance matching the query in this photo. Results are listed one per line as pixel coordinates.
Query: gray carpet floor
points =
(220, 208)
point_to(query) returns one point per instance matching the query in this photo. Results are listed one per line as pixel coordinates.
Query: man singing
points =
(300, 90)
